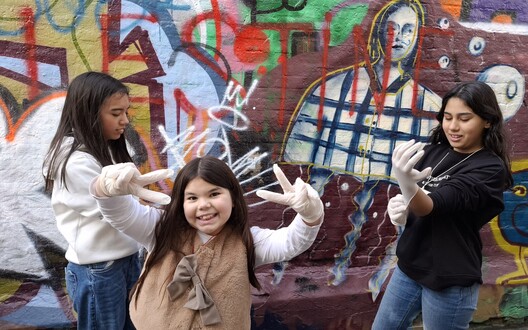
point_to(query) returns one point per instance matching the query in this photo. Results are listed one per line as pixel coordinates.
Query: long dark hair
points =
(482, 100)
(80, 120)
(173, 230)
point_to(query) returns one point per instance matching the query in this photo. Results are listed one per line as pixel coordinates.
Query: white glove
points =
(125, 179)
(397, 210)
(301, 197)
(404, 157)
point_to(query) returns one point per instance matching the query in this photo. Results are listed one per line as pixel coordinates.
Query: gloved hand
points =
(397, 210)
(301, 197)
(125, 179)
(404, 157)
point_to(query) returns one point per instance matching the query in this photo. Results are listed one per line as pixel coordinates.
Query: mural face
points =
(404, 25)
(325, 88)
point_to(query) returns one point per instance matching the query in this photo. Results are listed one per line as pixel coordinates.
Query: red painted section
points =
(251, 45)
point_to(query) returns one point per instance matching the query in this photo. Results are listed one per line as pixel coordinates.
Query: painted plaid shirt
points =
(356, 138)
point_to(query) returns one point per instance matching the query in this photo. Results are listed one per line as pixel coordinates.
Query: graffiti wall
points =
(313, 85)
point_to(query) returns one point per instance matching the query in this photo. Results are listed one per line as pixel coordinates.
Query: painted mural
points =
(323, 87)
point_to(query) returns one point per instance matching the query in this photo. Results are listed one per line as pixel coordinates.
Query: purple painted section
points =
(485, 10)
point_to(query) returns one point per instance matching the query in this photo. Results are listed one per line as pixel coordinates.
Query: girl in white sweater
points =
(103, 263)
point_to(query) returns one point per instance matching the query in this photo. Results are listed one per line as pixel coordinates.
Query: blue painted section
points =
(42, 311)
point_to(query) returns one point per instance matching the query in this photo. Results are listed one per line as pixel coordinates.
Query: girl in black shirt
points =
(450, 189)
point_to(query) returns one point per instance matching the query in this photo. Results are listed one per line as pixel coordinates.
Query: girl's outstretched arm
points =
(288, 242)
(283, 244)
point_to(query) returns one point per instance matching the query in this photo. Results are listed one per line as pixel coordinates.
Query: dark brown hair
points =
(80, 119)
(481, 99)
(173, 230)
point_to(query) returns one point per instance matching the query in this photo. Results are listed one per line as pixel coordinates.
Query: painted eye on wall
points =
(509, 86)
(443, 23)
(476, 46)
(444, 61)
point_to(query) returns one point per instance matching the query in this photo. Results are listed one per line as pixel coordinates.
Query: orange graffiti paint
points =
(454, 7)
(13, 128)
(503, 19)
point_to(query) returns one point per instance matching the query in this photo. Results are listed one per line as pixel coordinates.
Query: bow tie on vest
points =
(188, 279)
(199, 298)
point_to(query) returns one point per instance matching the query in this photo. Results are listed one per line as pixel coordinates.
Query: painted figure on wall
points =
(351, 120)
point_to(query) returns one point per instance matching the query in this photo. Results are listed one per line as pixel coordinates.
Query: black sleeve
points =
(477, 189)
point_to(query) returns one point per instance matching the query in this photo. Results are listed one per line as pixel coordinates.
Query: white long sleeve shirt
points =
(90, 238)
(138, 221)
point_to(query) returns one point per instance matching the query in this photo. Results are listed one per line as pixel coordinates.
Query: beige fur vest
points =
(220, 265)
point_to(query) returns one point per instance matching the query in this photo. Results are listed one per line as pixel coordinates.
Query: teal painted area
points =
(514, 302)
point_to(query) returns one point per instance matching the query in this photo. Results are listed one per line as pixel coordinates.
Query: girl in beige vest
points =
(202, 253)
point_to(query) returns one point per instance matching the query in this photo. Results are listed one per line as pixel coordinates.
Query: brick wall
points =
(235, 78)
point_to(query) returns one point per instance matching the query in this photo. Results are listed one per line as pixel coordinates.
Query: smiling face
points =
(404, 24)
(463, 128)
(207, 207)
(114, 115)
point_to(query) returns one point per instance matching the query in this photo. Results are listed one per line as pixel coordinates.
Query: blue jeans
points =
(100, 292)
(404, 299)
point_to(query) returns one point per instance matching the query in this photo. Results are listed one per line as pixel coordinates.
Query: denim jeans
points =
(404, 299)
(100, 292)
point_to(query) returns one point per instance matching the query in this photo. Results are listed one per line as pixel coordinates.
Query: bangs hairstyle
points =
(173, 230)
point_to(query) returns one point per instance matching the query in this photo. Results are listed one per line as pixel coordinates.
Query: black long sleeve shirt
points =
(444, 248)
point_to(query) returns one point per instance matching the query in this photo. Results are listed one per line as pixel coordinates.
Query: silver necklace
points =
(431, 177)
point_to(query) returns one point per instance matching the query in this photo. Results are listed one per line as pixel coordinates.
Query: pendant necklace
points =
(431, 177)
